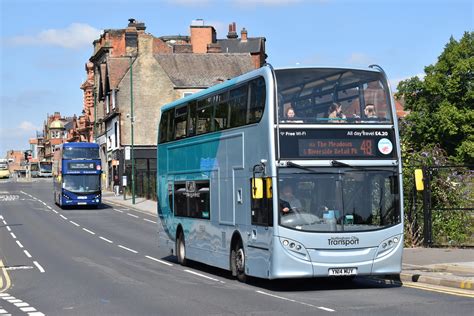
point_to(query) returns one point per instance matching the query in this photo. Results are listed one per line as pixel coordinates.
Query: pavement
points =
(446, 267)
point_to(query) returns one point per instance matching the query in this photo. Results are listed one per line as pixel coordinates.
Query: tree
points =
(442, 104)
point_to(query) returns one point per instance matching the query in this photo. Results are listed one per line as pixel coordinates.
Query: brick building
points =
(54, 133)
(158, 70)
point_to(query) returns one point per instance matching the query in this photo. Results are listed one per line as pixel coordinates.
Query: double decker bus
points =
(42, 169)
(76, 174)
(284, 173)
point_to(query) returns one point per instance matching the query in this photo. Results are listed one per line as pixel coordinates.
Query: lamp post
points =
(132, 119)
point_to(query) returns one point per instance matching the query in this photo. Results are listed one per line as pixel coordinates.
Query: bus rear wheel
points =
(238, 262)
(181, 250)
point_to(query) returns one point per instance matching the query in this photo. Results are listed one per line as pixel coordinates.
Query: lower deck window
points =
(191, 199)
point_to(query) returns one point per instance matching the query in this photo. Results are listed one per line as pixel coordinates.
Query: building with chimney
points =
(54, 133)
(131, 74)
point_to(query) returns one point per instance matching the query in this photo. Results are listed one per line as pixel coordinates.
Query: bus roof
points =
(250, 74)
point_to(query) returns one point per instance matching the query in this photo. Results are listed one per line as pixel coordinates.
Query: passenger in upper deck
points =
(290, 116)
(369, 111)
(335, 114)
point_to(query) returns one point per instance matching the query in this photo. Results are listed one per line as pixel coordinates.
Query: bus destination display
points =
(336, 147)
(336, 144)
(81, 166)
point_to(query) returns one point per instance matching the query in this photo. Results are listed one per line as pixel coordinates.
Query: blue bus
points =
(284, 173)
(76, 174)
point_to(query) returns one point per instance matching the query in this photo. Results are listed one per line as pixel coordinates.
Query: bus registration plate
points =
(342, 271)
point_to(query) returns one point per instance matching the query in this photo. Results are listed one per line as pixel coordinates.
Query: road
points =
(106, 262)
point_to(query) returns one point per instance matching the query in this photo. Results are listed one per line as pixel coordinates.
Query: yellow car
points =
(4, 173)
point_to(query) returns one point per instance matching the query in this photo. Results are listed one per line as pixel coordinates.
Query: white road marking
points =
(62, 216)
(132, 215)
(8, 297)
(4, 294)
(160, 261)
(19, 268)
(49, 207)
(28, 309)
(117, 210)
(22, 304)
(1, 216)
(15, 300)
(74, 223)
(131, 250)
(27, 253)
(55, 211)
(39, 267)
(295, 301)
(149, 220)
(107, 240)
(19, 244)
(36, 314)
(8, 228)
(201, 275)
(89, 231)
(2, 311)
(13, 235)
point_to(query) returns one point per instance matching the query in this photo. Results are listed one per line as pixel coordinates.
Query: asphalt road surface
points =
(106, 262)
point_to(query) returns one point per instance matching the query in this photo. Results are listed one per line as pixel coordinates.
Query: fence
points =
(145, 184)
(443, 214)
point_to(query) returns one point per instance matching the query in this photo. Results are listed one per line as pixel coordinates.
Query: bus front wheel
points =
(181, 250)
(238, 262)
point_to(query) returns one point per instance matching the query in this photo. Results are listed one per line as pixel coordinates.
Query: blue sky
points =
(45, 43)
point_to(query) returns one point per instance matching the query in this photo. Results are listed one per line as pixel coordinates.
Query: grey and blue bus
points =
(284, 173)
(76, 175)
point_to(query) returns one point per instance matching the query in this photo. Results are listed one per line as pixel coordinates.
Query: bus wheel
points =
(181, 250)
(238, 262)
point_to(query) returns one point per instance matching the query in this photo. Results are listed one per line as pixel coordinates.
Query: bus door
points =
(260, 236)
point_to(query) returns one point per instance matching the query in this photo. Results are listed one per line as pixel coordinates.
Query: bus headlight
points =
(295, 248)
(387, 246)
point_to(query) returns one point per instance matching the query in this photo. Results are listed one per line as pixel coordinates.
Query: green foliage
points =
(442, 104)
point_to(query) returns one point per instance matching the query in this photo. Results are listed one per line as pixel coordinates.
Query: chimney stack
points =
(243, 35)
(232, 31)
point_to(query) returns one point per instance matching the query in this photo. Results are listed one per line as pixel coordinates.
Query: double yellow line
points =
(5, 281)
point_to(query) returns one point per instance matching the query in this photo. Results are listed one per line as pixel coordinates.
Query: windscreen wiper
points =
(295, 165)
(336, 163)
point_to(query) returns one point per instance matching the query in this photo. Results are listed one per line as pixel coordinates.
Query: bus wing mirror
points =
(419, 180)
(257, 188)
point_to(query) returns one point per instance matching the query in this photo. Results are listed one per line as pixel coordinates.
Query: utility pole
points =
(132, 120)
(95, 116)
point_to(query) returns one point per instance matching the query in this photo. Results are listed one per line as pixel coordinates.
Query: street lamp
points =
(132, 119)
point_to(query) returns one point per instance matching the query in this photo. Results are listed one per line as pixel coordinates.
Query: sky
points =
(46, 43)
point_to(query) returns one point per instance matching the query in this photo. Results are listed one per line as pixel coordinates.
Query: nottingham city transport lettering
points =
(343, 241)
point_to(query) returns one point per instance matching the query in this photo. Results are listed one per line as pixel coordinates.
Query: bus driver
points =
(288, 202)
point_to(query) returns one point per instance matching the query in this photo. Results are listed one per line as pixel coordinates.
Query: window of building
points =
(107, 103)
(114, 98)
(116, 134)
(192, 199)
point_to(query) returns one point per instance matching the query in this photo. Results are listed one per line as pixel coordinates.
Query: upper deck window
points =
(328, 96)
(80, 152)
